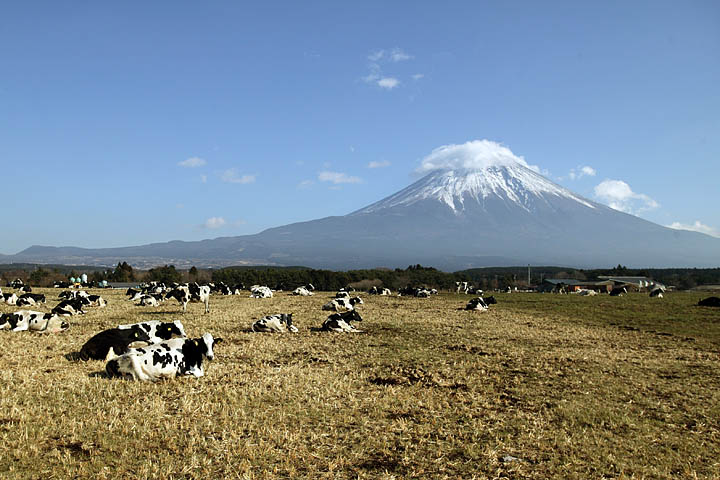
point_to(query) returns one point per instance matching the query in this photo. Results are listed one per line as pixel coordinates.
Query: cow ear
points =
(217, 340)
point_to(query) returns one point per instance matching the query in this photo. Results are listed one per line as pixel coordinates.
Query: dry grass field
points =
(540, 386)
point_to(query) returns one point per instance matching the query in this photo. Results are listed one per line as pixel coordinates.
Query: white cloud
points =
(473, 155)
(618, 195)
(214, 222)
(385, 57)
(382, 164)
(397, 55)
(203, 178)
(580, 172)
(696, 227)
(193, 162)
(337, 177)
(305, 184)
(388, 83)
(231, 175)
(372, 77)
(418, 76)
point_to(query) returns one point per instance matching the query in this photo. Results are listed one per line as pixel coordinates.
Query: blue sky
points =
(134, 122)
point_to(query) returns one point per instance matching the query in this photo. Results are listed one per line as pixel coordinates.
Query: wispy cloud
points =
(203, 178)
(380, 58)
(418, 76)
(232, 175)
(337, 178)
(193, 162)
(397, 55)
(394, 55)
(618, 195)
(214, 222)
(382, 164)
(696, 227)
(388, 83)
(305, 184)
(579, 172)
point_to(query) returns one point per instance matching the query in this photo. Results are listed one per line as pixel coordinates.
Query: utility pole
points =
(528, 275)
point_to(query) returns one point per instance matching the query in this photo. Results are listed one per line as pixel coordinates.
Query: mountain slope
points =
(452, 219)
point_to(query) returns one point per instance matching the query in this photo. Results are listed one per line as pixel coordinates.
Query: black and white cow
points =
(710, 302)
(257, 291)
(133, 294)
(191, 293)
(379, 291)
(23, 301)
(37, 297)
(656, 293)
(69, 307)
(158, 331)
(169, 359)
(25, 289)
(31, 320)
(115, 340)
(618, 291)
(97, 301)
(342, 304)
(9, 298)
(342, 322)
(480, 304)
(278, 323)
(302, 291)
(149, 300)
(462, 287)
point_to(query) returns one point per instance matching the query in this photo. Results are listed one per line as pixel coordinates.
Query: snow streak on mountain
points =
(515, 183)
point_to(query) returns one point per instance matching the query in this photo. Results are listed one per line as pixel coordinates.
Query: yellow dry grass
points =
(541, 386)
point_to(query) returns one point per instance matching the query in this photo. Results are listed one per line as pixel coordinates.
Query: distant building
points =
(572, 285)
(638, 283)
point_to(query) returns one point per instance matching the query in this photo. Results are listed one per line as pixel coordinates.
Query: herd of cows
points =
(153, 350)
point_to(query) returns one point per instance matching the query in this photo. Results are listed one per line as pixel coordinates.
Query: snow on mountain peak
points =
(459, 173)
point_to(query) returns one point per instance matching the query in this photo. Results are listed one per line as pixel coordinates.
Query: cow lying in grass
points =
(34, 321)
(279, 323)
(480, 303)
(158, 331)
(342, 304)
(342, 322)
(256, 291)
(169, 359)
(710, 302)
(71, 307)
(115, 340)
(302, 291)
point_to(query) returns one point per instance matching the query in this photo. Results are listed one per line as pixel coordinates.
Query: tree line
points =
(489, 278)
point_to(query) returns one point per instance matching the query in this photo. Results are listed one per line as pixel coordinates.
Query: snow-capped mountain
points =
(514, 183)
(499, 213)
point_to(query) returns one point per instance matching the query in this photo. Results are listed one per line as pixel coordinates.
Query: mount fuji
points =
(496, 214)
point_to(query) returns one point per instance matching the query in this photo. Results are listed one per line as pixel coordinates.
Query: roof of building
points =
(572, 282)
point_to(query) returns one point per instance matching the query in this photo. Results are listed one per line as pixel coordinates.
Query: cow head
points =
(356, 301)
(56, 324)
(287, 320)
(207, 343)
(490, 300)
(351, 316)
